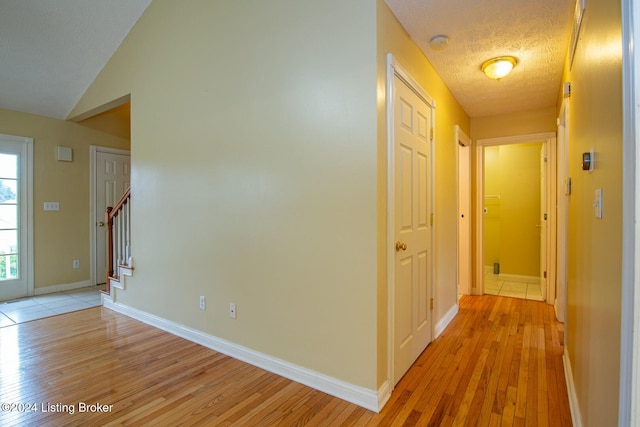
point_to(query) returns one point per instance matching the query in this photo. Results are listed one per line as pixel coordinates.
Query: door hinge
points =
(544, 274)
(431, 304)
(431, 219)
(431, 134)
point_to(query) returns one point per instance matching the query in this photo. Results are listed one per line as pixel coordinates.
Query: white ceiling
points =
(52, 50)
(536, 32)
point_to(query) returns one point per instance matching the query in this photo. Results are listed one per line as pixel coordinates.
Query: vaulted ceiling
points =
(51, 51)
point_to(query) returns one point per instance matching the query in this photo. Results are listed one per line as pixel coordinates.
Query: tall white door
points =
(112, 180)
(464, 219)
(543, 221)
(412, 193)
(15, 199)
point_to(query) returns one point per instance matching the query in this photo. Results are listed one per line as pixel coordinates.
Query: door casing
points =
(464, 270)
(94, 150)
(395, 69)
(548, 138)
(26, 214)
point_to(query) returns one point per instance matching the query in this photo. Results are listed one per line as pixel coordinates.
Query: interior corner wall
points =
(595, 245)
(254, 157)
(59, 236)
(392, 38)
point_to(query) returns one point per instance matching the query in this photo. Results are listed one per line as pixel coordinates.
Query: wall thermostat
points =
(588, 161)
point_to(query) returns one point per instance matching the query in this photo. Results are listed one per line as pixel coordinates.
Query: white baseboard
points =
(571, 389)
(518, 278)
(366, 398)
(513, 277)
(444, 322)
(384, 393)
(62, 287)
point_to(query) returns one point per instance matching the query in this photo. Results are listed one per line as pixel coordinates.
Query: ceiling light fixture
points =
(497, 68)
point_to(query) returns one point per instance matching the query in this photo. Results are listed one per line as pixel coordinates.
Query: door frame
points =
(563, 192)
(629, 408)
(93, 166)
(394, 69)
(27, 215)
(548, 138)
(462, 140)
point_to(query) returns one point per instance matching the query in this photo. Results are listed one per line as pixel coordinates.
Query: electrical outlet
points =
(76, 263)
(232, 310)
(202, 303)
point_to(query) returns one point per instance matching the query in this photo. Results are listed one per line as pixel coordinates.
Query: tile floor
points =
(38, 307)
(494, 285)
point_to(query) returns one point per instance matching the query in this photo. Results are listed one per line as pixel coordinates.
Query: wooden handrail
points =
(111, 213)
(123, 201)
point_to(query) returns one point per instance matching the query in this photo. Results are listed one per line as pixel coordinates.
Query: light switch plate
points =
(597, 203)
(51, 206)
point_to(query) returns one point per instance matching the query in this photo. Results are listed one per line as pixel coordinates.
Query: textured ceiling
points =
(52, 50)
(536, 32)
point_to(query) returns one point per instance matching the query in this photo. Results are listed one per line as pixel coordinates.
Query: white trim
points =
(384, 394)
(629, 402)
(518, 278)
(445, 320)
(366, 398)
(394, 69)
(62, 287)
(548, 138)
(26, 217)
(562, 200)
(93, 158)
(461, 138)
(574, 407)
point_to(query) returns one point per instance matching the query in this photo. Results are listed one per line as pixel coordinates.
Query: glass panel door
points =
(9, 217)
(16, 217)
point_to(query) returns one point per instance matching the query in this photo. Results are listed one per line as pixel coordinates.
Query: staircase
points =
(119, 261)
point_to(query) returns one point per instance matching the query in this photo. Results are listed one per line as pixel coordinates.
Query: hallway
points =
(499, 362)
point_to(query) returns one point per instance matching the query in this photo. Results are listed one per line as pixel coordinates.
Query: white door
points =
(15, 199)
(464, 219)
(112, 180)
(543, 221)
(412, 193)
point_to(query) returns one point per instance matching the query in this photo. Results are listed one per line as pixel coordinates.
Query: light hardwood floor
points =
(498, 363)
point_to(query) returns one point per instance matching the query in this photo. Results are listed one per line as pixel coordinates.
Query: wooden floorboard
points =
(499, 363)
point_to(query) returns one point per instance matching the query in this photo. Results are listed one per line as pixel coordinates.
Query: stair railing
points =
(118, 219)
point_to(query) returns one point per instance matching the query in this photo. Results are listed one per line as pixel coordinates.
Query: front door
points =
(412, 189)
(14, 217)
(112, 180)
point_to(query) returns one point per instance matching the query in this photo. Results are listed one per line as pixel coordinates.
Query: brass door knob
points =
(101, 224)
(401, 246)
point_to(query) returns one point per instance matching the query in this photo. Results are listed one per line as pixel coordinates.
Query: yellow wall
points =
(492, 231)
(512, 172)
(595, 245)
(392, 38)
(254, 157)
(62, 236)
(116, 121)
(520, 123)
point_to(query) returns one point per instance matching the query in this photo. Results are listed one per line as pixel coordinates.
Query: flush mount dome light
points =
(499, 67)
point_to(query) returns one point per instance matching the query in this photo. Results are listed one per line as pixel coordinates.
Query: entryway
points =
(16, 217)
(516, 217)
(110, 178)
(410, 119)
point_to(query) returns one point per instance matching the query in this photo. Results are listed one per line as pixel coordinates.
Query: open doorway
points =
(516, 213)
